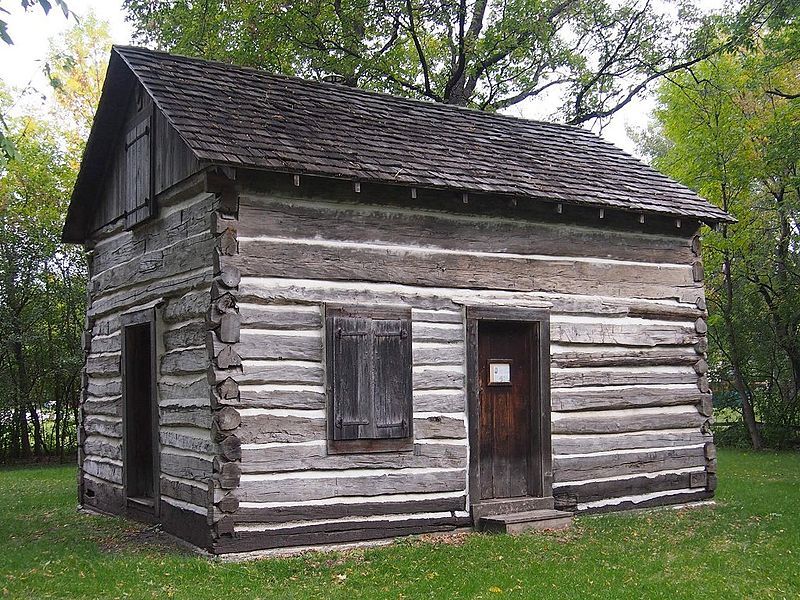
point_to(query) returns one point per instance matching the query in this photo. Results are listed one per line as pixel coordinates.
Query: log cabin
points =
(320, 315)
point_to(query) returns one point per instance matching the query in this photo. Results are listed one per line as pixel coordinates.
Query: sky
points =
(21, 64)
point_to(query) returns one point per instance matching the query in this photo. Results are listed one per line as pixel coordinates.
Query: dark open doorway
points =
(140, 414)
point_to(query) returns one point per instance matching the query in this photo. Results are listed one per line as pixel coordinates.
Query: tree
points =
(736, 142)
(7, 150)
(488, 54)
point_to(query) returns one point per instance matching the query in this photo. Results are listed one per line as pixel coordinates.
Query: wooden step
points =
(519, 522)
(503, 506)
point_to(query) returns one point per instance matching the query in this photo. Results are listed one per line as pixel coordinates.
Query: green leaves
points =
(488, 54)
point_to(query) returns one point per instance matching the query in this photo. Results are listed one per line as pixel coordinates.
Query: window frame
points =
(365, 445)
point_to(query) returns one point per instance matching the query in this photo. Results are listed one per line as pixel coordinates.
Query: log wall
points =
(165, 264)
(630, 404)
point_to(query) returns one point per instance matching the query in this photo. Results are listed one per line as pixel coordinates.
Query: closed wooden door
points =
(506, 401)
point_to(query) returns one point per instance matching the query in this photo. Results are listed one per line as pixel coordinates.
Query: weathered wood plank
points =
(437, 332)
(649, 502)
(102, 426)
(622, 334)
(104, 386)
(600, 490)
(182, 491)
(446, 401)
(110, 406)
(612, 465)
(283, 514)
(104, 365)
(613, 376)
(318, 488)
(259, 429)
(177, 415)
(440, 354)
(289, 218)
(432, 378)
(186, 441)
(313, 260)
(280, 316)
(439, 427)
(188, 336)
(619, 397)
(575, 356)
(298, 399)
(281, 372)
(298, 457)
(191, 305)
(256, 345)
(186, 467)
(185, 362)
(104, 470)
(635, 420)
(98, 445)
(175, 389)
(589, 443)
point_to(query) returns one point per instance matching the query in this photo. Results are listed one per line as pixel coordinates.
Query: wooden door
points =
(507, 398)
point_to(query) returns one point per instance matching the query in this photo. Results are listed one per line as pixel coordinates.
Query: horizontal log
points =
(313, 260)
(282, 398)
(168, 230)
(190, 335)
(192, 305)
(575, 356)
(108, 406)
(280, 316)
(612, 376)
(103, 447)
(106, 343)
(186, 416)
(174, 389)
(299, 457)
(184, 255)
(441, 354)
(431, 378)
(183, 362)
(290, 218)
(319, 488)
(636, 420)
(104, 386)
(631, 486)
(622, 334)
(666, 312)
(284, 514)
(102, 426)
(446, 401)
(666, 499)
(437, 316)
(104, 365)
(183, 491)
(259, 429)
(256, 345)
(362, 531)
(153, 290)
(437, 332)
(281, 372)
(185, 441)
(619, 397)
(632, 463)
(439, 427)
(103, 470)
(186, 467)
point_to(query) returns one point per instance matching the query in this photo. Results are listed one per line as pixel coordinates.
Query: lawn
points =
(748, 546)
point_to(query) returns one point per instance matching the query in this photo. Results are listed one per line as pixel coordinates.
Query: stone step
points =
(519, 522)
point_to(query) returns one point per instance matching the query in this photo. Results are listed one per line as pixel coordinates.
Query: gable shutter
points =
(351, 377)
(138, 184)
(392, 395)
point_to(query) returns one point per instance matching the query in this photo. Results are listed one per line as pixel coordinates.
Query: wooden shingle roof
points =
(247, 118)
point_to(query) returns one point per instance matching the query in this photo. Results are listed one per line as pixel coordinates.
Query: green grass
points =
(748, 546)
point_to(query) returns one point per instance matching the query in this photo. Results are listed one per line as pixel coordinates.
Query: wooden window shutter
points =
(350, 374)
(138, 173)
(391, 390)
